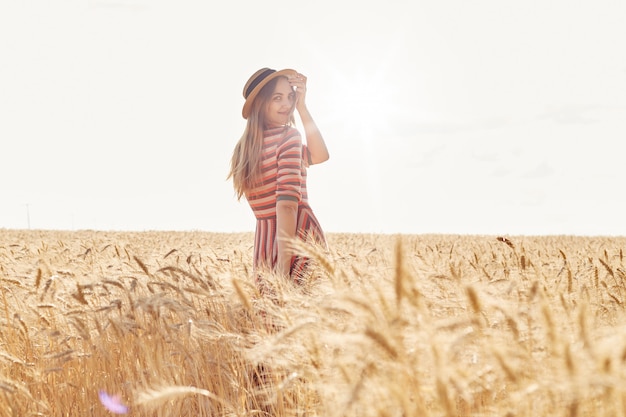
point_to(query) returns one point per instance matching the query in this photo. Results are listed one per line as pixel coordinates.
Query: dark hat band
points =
(257, 80)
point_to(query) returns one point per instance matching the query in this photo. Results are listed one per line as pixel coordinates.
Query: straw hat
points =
(257, 82)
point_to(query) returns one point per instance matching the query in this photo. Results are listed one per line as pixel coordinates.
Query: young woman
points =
(269, 165)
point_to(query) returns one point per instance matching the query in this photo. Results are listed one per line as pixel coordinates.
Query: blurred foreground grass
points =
(430, 325)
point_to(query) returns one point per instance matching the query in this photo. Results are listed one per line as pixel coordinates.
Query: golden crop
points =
(419, 325)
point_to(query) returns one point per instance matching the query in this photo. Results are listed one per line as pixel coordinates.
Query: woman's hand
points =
(314, 139)
(298, 81)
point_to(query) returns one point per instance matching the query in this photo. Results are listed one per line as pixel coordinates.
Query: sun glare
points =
(363, 102)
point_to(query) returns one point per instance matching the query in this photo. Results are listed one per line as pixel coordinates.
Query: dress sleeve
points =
(289, 160)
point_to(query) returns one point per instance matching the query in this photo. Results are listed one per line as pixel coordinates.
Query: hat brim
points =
(245, 111)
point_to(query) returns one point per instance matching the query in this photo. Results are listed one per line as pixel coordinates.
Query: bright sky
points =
(449, 116)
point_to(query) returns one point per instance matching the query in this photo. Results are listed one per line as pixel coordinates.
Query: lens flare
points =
(112, 403)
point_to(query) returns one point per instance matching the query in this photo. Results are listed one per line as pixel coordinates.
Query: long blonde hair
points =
(245, 164)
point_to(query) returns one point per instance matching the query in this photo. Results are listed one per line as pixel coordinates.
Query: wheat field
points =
(387, 325)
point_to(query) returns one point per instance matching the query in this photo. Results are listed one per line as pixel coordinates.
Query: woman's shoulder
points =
(290, 134)
(282, 136)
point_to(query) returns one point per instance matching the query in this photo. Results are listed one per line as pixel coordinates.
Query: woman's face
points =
(281, 104)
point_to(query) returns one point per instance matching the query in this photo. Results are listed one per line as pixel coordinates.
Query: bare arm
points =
(314, 140)
(286, 222)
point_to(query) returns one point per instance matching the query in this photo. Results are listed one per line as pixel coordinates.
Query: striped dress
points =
(284, 164)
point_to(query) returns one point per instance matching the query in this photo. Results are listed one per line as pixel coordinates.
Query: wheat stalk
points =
(157, 396)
